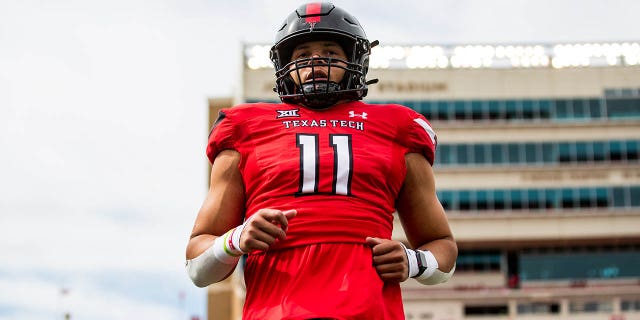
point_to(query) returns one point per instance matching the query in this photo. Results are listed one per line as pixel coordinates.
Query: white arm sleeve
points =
(212, 265)
(433, 275)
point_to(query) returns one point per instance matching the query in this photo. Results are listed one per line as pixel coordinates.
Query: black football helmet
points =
(316, 22)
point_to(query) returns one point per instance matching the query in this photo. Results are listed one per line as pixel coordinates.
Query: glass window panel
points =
(616, 150)
(499, 200)
(623, 107)
(494, 110)
(568, 199)
(549, 153)
(515, 198)
(634, 196)
(632, 150)
(464, 200)
(564, 152)
(531, 153)
(533, 199)
(497, 153)
(513, 152)
(602, 197)
(551, 198)
(479, 154)
(511, 109)
(462, 154)
(580, 108)
(582, 152)
(563, 109)
(443, 110)
(544, 109)
(445, 153)
(459, 110)
(528, 110)
(482, 200)
(476, 110)
(595, 108)
(599, 151)
(584, 198)
(619, 197)
(581, 265)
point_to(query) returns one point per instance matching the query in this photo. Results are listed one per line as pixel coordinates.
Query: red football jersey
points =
(341, 168)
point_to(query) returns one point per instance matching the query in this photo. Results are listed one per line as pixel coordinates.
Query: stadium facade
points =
(537, 166)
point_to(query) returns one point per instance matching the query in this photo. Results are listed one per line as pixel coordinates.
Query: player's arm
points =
(425, 223)
(219, 237)
(221, 211)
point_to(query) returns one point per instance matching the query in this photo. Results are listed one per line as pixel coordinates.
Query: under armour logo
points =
(287, 113)
(352, 114)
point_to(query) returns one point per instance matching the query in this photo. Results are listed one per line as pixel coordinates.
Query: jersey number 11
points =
(310, 163)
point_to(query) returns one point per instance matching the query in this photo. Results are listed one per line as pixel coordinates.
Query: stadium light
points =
(563, 55)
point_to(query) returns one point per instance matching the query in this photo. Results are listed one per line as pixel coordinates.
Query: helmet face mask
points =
(321, 22)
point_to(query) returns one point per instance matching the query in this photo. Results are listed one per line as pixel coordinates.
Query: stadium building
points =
(537, 166)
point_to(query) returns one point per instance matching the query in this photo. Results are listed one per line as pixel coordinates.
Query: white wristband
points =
(413, 262)
(235, 239)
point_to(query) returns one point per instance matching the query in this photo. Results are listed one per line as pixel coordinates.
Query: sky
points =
(103, 126)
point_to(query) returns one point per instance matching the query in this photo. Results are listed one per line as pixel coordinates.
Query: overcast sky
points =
(103, 125)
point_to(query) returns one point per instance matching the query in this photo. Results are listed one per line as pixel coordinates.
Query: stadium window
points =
(499, 199)
(528, 110)
(486, 310)
(532, 154)
(427, 107)
(580, 108)
(464, 200)
(459, 110)
(477, 112)
(599, 153)
(627, 305)
(539, 308)
(582, 152)
(592, 306)
(482, 200)
(461, 154)
(623, 107)
(584, 198)
(515, 199)
(620, 197)
(634, 196)
(617, 151)
(511, 109)
(548, 152)
(534, 199)
(595, 108)
(601, 197)
(567, 198)
(494, 110)
(632, 150)
(513, 153)
(443, 110)
(563, 109)
(544, 108)
(564, 152)
(496, 153)
(479, 153)
(443, 156)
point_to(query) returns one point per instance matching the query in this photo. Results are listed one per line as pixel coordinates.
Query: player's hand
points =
(389, 259)
(264, 228)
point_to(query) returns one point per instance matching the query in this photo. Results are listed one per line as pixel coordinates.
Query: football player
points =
(308, 188)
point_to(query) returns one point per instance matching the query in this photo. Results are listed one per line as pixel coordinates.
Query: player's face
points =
(318, 49)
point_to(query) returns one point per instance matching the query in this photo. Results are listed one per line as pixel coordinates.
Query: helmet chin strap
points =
(320, 94)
